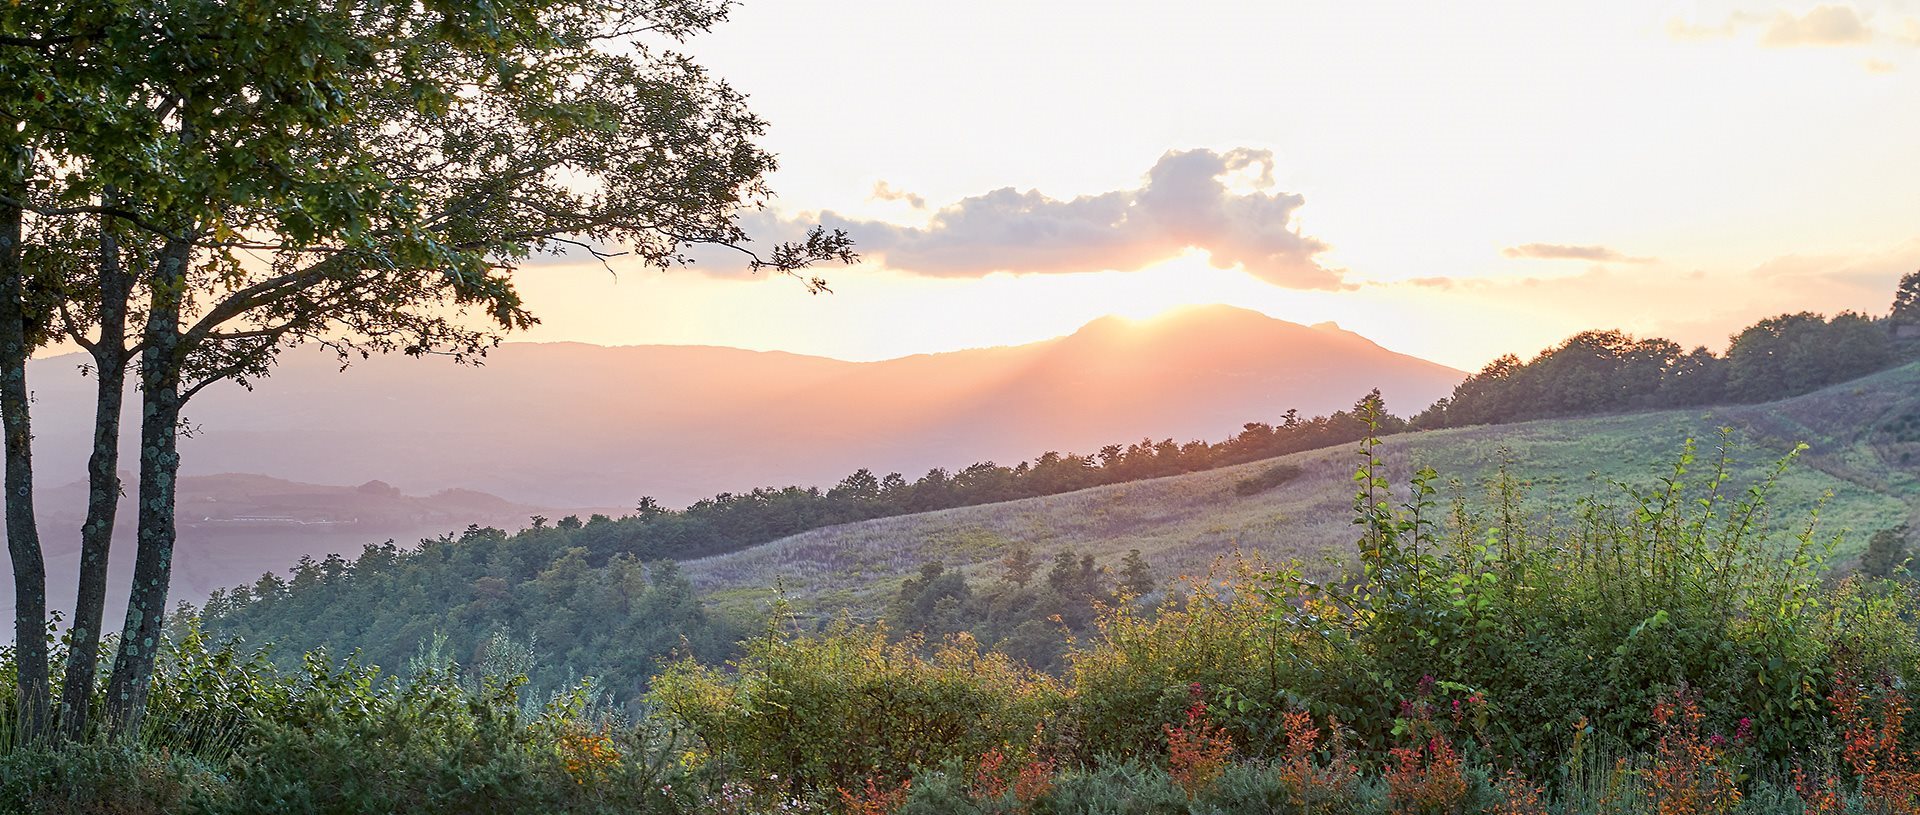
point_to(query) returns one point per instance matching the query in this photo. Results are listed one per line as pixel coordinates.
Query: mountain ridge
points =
(580, 424)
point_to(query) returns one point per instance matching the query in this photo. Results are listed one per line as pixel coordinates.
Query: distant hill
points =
(569, 424)
(235, 527)
(1865, 451)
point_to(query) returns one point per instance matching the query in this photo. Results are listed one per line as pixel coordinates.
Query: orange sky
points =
(1453, 180)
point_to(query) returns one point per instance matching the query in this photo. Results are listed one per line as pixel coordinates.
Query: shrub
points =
(120, 779)
(1425, 776)
(1266, 479)
(1692, 774)
(1228, 633)
(1886, 776)
(1313, 785)
(830, 711)
(1197, 751)
(875, 799)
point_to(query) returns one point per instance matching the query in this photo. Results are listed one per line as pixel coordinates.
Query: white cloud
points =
(1824, 25)
(1184, 203)
(1557, 251)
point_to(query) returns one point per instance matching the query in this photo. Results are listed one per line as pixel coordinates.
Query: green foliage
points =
(1610, 371)
(1139, 674)
(617, 620)
(233, 734)
(1031, 621)
(1797, 353)
(1886, 553)
(1532, 627)
(830, 711)
(121, 779)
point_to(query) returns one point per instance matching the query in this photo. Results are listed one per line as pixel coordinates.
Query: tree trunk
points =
(103, 489)
(141, 636)
(23, 537)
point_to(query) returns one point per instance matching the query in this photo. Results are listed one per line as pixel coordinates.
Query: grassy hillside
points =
(1864, 439)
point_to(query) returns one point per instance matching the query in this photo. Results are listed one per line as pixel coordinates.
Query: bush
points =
(229, 733)
(830, 712)
(1267, 479)
(106, 779)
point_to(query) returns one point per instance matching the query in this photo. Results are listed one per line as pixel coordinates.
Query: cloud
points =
(1556, 251)
(1824, 25)
(882, 191)
(1694, 306)
(1682, 30)
(1185, 202)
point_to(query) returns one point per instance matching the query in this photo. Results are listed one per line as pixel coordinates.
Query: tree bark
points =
(103, 488)
(32, 691)
(141, 636)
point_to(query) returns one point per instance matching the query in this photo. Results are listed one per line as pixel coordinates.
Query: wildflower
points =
(1197, 752)
(875, 800)
(1690, 775)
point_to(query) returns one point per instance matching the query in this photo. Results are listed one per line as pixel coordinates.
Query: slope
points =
(1865, 451)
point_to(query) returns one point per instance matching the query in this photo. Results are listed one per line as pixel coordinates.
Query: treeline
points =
(732, 521)
(1609, 371)
(614, 621)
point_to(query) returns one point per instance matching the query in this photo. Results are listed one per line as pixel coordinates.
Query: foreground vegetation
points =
(1681, 650)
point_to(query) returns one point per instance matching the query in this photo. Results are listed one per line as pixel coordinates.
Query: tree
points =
(1019, 566)
(32, 688)
(1906, 298)
(39, 75)
(1904, 320)
(1886, 553)
(1135, 575)
(395, 164)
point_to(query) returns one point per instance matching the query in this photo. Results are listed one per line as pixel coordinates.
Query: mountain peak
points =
(1213, 318)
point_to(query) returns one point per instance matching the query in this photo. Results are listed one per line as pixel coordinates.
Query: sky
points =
(1453, 180)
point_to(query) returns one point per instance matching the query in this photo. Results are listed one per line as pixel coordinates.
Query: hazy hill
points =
(1865, 438)
(570, 424)
(236, 527)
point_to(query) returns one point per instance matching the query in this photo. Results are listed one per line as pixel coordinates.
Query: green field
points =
(1863, 461)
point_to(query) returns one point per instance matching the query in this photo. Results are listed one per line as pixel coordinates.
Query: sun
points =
(1189, 279)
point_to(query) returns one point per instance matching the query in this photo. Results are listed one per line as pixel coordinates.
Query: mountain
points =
(1864, 452)
(568, 424)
